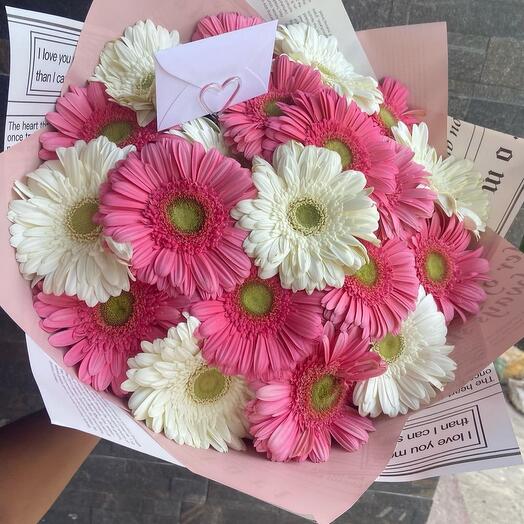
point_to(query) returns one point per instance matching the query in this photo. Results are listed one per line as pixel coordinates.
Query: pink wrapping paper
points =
(319, 491)
(417, 55)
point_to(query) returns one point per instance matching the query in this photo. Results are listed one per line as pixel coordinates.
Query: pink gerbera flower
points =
(102, 338)
(85, 113)
(447, 269)
(328, 120)
(295, 418)
(404, 210)
(223, 23)
(244, 125)
(259, 329)
(379, 296)
(172, 203)
(395, 107)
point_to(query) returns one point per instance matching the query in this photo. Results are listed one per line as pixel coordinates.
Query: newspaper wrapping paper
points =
(467, 431)
(340, 482)
(42, 49)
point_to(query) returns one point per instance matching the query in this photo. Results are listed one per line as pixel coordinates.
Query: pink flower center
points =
(256, 298)
(112, 121)
(328, 134)
(271, 108)
(117, 310)
(346, 156)
(436, 270)
(372, 282)
(258, 306)
(117, 131)
(325, 393)
(387, 117)
(186, 217)
(119, 125)
(319, 393)
(436, 266)
(367, 275)
(266, 105)
(124, 321)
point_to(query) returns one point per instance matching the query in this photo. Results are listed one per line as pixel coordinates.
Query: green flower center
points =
(207, 385)
(346, 156)
(186, 215)
(436, 267)
(256, 298)
(387, 117)
(145, 83)
(79, 221)
(325, 393)
(367, 274)
(118, 310)
(270, 108)
(117, 132)
(306, 216)
(390, 347)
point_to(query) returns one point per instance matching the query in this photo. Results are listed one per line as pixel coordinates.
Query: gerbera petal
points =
(103, 337)
(180, 232)
(417, 362)
(293, 416)
(244, 125)
(196, 405)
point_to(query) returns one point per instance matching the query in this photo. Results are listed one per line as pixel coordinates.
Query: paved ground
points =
(115, 485)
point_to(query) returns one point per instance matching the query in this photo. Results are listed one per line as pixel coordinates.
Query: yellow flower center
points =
(79, 221)
(186, 215)
(390, 347)
(306, 216)
(346, 156)
(117, 131)
(117, 310)
(367, 274)
(256, 298)
(207, 385)
(436, 267)
(387, 117)
(325, 393)
(145, 83)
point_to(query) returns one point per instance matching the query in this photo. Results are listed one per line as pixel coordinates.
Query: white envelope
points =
(208, 75)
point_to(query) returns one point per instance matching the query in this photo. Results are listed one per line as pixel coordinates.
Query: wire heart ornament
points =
(215, 90)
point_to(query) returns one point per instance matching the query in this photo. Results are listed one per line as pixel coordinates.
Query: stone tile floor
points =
(116, 485)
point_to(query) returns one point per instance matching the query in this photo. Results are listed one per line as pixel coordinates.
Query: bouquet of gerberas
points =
(283, 270)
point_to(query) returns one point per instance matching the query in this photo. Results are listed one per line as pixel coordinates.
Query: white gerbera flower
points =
(205, 131)
(304, 44)
(308, 218)
(176, 392)
(418, 363)
(417, 141)
(127, 67)
(456, 181)
(53, 229)
(459, 188)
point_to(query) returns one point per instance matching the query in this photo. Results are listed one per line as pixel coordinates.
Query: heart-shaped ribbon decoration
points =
(212, 95)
